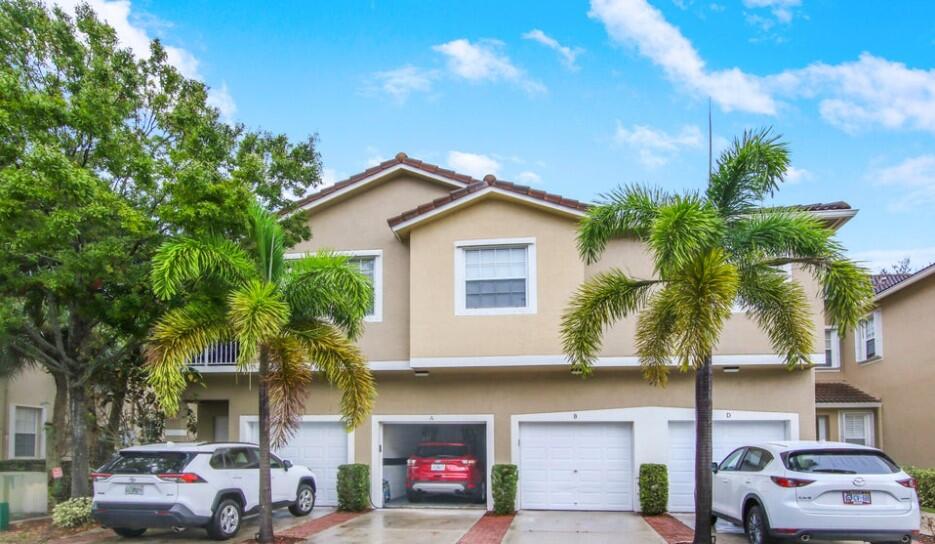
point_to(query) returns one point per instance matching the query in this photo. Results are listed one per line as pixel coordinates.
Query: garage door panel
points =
(727, 436)
(576, 466)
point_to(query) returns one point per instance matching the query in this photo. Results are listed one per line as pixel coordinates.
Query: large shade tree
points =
(710, 251)
(288, 318)
(103, 155)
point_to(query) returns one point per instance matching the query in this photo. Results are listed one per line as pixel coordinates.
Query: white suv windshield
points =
(840, 462)
(168, 462)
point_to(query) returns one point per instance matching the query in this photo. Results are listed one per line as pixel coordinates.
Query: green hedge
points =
(354, 488)
(503, 487)
(654, 489)
(925, 482)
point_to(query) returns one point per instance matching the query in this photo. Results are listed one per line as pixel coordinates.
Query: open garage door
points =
(576, 466)
(728, 436)
(319, 445)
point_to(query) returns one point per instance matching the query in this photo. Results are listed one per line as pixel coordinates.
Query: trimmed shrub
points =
(654, 489)
(72, 513)
(925, 482)
(354, 487)
(503, 487)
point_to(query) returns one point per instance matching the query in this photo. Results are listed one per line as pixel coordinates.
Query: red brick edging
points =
(489, 529)
(311, 527)
(671, 529)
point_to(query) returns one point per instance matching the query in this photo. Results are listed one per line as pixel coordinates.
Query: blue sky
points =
(577, 97)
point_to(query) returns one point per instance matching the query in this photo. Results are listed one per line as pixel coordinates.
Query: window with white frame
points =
(27, 426)
(367, 265)
(822, 424)
(495, 277)
(857, 428)
(869, 337)
(786, 269)
(832, 349)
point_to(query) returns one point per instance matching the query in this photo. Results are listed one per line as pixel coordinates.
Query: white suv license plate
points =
(856, 497)
(133, 490)
(438, 467)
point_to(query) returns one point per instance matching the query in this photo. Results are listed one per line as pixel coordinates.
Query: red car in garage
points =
(447, 468)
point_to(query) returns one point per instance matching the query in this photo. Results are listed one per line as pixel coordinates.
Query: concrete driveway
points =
(731, 534)
(402, 526)
(538, 527)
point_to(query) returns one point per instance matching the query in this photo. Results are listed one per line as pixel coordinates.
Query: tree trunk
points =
(110, 439)
(265, 535)
(55, 437)
(80, 458)
(703, 447)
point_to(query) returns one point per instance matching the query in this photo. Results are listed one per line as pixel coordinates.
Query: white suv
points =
(806, 491)
(211, 485)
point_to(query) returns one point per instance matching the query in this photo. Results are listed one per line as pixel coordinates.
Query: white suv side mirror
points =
(286, 464)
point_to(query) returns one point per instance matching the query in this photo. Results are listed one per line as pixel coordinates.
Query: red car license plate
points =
(856, 497)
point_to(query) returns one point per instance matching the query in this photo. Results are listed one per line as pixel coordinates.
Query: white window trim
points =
(835, 352)
(859, 342)
(377, 316)
(869, 426)
(737, 307)
(461, 308)
(11, 432)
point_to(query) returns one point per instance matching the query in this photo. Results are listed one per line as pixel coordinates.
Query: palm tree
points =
(709, 252)
(286, 317)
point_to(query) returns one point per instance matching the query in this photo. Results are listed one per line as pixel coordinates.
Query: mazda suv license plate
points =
(133, 490)
(856, 497)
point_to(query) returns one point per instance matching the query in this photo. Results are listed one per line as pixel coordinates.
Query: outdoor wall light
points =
(420, 373)
(731, 369)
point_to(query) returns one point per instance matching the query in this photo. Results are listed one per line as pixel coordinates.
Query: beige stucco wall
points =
(32, 387)
(904, 378)
(503, 393)
(359, 223)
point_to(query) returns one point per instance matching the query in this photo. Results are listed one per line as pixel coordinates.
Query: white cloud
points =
(782, 10)
(915, 176)
(528, 177)
(403, 81)
(567, 54)
(870, 91)
(483, 61)
(875, 259)
(797, 175)
(473, 164)
(132, 34)
(635, 22)
(657, 147)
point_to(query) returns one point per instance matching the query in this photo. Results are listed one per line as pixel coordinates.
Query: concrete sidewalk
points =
(553, 527)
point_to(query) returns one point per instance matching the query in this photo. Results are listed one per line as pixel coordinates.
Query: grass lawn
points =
(929, 510)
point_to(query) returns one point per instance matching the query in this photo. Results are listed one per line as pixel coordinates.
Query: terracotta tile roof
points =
(400, 158)
(824, 206)
(488, 181)
(841, 392)
(882, 282)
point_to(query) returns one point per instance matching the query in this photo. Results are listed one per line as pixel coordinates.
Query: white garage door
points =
(728, 436)
(576, 466)
(322, 447)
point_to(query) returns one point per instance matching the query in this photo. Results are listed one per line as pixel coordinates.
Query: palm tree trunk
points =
(703, 447)
(265, 535)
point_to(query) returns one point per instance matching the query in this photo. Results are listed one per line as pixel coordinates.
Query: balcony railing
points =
(221, 354)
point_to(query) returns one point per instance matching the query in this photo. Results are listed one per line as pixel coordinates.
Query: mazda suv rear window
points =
(839, 462)
(441, 450)
(148, 462)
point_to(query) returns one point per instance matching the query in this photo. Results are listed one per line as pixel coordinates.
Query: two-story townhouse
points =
(471, 278)
(878, 385)
(27, 398)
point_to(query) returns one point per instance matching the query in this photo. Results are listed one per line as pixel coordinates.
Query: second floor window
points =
(868, 337)
(366, 266)
(495, 279)
(832, 349)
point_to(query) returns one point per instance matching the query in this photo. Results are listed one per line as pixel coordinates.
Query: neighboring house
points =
(471, 279)
(27, 399)
(879, 385)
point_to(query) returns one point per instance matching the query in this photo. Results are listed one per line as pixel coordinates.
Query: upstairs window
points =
(26, 428)
(832, 349)
(869, 338)
(370, 264)
(367, 266)
(495, 278)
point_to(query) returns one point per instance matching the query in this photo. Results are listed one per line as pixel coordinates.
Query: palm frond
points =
(180, 335)
(847, 292)
(288, 381)
(779, 234)
(626, 211)
(269, 238)
(682, 232)
(598, 302)
(781, 308)
(656, 331)
(326, 285)
(747, 171)
(343, 364)
(257, 313)
(189, 259)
